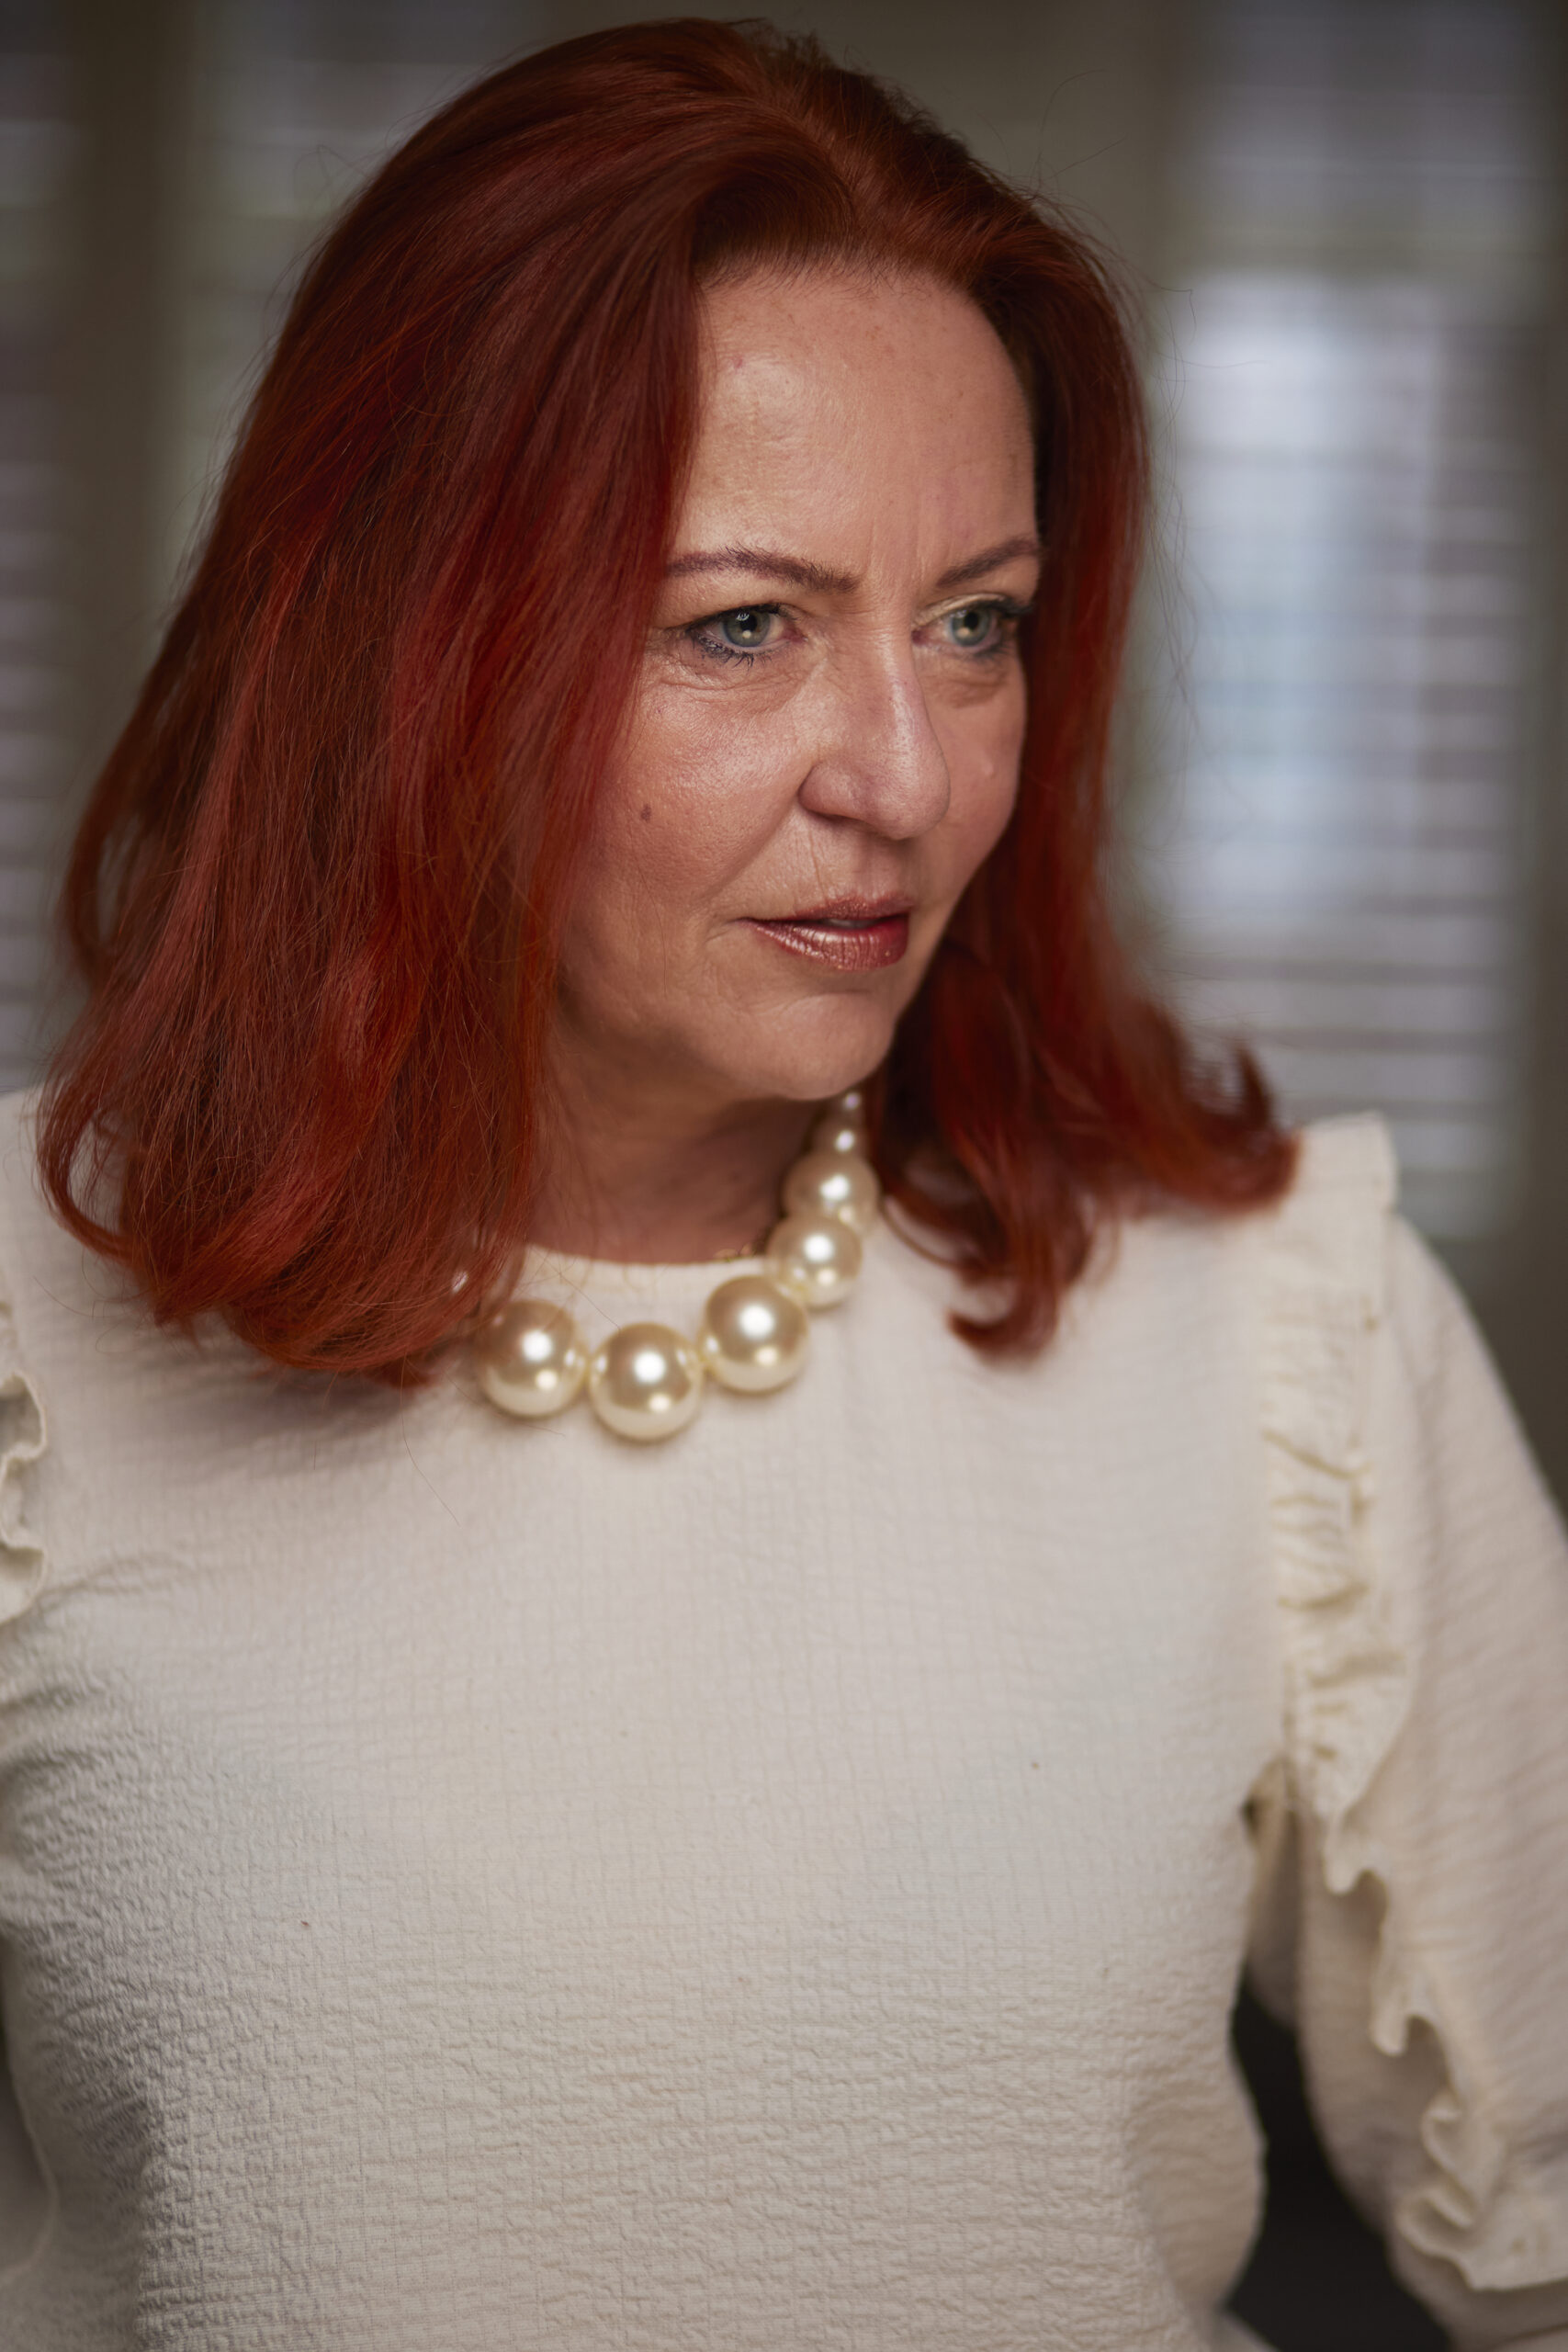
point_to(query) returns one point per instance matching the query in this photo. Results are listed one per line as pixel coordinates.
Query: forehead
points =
(837, 403)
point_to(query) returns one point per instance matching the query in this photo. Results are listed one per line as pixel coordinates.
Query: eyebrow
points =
(992, 560)
(764, 563)
(770, 563)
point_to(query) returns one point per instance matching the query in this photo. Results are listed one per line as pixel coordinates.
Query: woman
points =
(473, 1877)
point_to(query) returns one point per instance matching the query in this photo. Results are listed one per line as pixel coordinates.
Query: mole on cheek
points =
(646, 812)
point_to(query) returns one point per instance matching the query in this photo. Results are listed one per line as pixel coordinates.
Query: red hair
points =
(317, 891)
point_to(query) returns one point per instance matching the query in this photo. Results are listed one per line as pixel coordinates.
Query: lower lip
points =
(854, 947)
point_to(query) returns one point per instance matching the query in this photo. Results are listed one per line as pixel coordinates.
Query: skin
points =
(847, 724)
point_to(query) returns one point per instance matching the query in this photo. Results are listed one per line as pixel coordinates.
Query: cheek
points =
(692, 798)
(983, 764)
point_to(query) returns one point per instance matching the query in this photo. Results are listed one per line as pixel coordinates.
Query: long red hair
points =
(317, 892)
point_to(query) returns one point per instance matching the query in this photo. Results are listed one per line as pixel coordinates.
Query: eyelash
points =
(697, 633)
(1009, 612)
(1008, 609)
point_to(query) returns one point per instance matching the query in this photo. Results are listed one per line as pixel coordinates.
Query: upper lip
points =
(849, 909)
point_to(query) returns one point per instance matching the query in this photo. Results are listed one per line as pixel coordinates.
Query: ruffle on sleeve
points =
(23, 1437)
(1346, 1684)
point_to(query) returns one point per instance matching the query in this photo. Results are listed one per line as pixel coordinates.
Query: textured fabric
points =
(467, 1884)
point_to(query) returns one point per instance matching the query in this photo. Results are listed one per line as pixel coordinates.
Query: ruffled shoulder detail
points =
(23, 1437)
(1346, 1684)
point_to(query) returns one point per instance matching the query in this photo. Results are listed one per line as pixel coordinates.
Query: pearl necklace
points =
(646, 1381)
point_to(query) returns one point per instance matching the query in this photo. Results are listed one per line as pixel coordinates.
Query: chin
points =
(814, 1051)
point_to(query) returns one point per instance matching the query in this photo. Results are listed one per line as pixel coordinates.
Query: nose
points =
(878, 760)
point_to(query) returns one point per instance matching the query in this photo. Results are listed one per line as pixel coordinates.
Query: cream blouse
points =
(471, 1884)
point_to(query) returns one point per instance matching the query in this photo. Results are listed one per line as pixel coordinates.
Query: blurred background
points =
(1344, 741)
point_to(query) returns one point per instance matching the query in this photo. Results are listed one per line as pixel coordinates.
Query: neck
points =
(644, 1175)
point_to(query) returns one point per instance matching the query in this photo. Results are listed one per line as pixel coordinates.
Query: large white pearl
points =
(530, 1358)
(753, 1335)
(839, 1130)
(833, 1183)
(646, 1382)
(819, 1258)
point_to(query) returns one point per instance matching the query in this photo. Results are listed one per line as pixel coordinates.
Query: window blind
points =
(293, 102)
(36, 156)
(1345, 844)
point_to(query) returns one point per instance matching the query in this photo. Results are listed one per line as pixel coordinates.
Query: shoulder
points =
(55, 1290)
(1365, 1326)
(1275, 1287)
(19, 1152)
(90, 1389)
(1323, 1261)
(37, 1256)
(32, 1241)
(1334, 1229)
(23, 1428)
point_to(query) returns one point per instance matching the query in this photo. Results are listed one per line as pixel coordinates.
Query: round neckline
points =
(637, 1275)
(618, 1273)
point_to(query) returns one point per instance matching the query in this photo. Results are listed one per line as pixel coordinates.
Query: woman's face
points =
(824, 743)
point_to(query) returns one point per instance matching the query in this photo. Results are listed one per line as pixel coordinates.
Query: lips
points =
(851, 935)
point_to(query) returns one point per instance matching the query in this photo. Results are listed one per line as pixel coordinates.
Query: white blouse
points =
(468, 1883)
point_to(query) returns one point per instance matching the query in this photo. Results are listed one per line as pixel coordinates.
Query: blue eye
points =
(738, 635)
(746, 628)
(974, 627)
(986, 628)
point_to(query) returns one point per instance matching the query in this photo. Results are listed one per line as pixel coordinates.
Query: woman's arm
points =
(1417, 1886)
